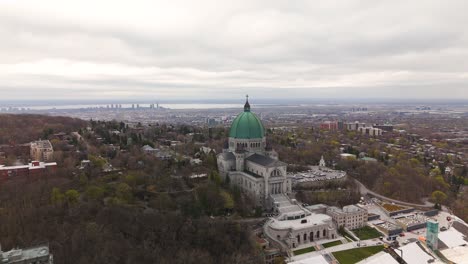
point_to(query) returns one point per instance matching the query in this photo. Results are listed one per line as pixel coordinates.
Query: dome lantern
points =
(247, 105)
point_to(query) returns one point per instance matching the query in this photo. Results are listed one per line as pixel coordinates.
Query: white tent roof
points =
(452, 238)
(413, 253)
(379, 258)
(317, 259)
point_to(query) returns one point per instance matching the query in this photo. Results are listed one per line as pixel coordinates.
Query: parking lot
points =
(316, 174)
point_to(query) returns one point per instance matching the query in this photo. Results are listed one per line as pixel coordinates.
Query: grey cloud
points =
(317, 48)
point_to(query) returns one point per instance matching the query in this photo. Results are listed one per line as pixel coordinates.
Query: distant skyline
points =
(222, 50)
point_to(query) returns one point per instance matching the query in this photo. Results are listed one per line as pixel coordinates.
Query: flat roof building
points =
(296, 226)
(351, 216)
(35, 168)
(31, 255)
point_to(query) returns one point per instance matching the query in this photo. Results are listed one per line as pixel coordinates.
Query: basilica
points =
(247, 161)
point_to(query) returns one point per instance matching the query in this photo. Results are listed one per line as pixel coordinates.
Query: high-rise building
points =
(432, 234)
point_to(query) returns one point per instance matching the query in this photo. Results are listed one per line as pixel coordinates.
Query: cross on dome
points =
(247, 105)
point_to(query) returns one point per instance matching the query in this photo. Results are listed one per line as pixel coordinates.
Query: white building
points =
(364, 129)
(350, 217)
(32, 255)
(370, 131)
(248, 163)
(322, 163)
(296, 226)
(354, 126)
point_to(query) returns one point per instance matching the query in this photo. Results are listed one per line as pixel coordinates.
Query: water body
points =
(129, 106)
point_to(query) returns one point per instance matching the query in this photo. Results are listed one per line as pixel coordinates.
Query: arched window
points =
(311, 236)
(324, 232)
(275, 173)
(298, 239)
(305, 237)
(318, 234)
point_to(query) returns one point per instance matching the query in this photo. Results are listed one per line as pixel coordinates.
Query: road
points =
(364, 190)
(330, 250)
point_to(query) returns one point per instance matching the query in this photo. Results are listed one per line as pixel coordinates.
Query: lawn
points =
(355, 255)
(304, 250)
(366, 232)
(392, 207)
(332, 244)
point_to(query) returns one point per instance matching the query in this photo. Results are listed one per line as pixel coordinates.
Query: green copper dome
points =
(247, 125)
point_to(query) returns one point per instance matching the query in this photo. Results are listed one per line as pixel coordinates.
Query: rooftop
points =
(456, 254)
(227, 156)
(44, 144)
(452, 238)
(264, 160)
(252, 174)
(379, 258)
(352, 208)
(316, 207)
(317, 259)
(414, 253)
(31, 166)
(311, 220)
(39, 253)
(247, 125)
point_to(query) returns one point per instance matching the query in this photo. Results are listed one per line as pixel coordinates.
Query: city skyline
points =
(219, 50)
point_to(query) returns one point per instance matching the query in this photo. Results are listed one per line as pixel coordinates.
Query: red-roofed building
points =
(33, 169)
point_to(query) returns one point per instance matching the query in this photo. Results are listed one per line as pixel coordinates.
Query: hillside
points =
(17, 129)
(135, 212)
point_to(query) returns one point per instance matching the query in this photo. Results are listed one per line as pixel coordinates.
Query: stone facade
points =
(350, 217)
(247, 163)
(42, 150)
(295, 225)
(309, 229)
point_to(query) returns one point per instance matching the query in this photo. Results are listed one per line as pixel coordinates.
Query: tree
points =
(97, 162)
(124, 192)
(94, 192)
(214, 177)
(228, 200)
(72, 196)
(56, 197)
(438, 197)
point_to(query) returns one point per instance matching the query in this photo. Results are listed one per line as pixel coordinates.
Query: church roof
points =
(247, 125)
(264, 160)
(227, 156)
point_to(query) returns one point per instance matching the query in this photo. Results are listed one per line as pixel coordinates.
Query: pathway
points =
(364, 190)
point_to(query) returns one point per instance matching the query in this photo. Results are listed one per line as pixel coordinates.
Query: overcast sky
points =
(225, 49)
